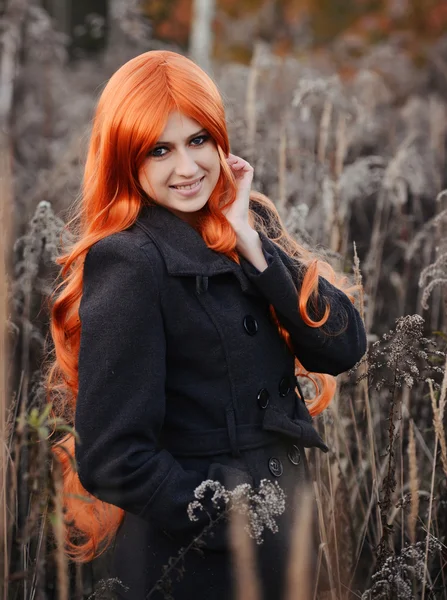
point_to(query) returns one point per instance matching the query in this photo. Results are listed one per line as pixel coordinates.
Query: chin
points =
(189, 206)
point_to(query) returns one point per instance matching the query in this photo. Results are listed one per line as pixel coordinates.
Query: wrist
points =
(249, 245)
(245, 234)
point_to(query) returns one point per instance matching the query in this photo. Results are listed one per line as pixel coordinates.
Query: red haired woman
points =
(184, 315)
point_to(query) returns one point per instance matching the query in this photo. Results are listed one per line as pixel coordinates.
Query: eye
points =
(161, 151)
(201, 140)
(156, 152)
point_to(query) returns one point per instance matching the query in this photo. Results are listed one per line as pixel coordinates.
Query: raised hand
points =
(237, 213)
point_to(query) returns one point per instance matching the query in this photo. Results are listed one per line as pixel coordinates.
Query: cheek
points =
(214, 165)
(149, 180)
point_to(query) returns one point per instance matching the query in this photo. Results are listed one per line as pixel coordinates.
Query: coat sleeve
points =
(333, 349)
(120, 405)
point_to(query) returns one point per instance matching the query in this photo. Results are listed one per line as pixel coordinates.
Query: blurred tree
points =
(84, 21)
(201, 35)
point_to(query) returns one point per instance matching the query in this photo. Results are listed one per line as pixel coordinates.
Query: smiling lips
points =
(189, 186)
(190, 190)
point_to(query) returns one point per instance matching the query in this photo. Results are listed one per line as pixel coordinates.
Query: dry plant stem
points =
(341, 145)
(361, 538)
(389, 483)
(250, 102)
(194, 542)
(359, 281)
(282, 163)
(372, 502)
(374, 495)
(40, 550)
(11, 479)
(59, 532)
(438, 417)
(432, 488)
(4, 459)
(365, 390)
(438, 535)
(299, 566)
(21, 447)
(338, 238)
(375, 251)
(420, 438)
(356, 493)
(414, 485)
(401, 479)
(244, 559)
(438, 128)
(22, 451)
(320, 559)
(12, 18)
(324, 130)
(325, 546)
(332, 505)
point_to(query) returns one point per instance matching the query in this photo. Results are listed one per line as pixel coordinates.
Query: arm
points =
(121, 399)
(280, 282)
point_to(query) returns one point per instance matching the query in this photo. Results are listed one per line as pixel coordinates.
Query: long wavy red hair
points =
(130, 116)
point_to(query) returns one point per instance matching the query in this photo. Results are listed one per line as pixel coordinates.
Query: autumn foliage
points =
(289, 25)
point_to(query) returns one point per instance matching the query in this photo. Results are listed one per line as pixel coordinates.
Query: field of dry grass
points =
(357, 169)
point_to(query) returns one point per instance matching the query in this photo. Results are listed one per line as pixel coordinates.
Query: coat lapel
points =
(183, 249)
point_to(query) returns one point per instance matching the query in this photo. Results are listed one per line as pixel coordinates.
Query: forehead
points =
(179, 127)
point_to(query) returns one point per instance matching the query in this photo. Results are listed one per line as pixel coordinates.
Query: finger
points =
(235, 159)
(239, 162)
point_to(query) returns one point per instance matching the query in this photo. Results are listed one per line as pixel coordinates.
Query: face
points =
(182, 168)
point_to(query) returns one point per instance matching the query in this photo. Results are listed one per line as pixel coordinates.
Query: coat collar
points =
(184, 251)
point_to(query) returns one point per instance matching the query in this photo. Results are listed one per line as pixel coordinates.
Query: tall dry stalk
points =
(438, 417)
(432, 491)
(11, 39)
(338, 238)
(299, 564)
(375, 253)
(250, 101)
(414, 484)
(282, 164)
(365, 395)
(5, 199)
(325, 123)
(243, 559)
(59, 534)
(332, 508)
(324, 540)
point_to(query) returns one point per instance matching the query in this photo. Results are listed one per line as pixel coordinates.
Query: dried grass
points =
(345, 164)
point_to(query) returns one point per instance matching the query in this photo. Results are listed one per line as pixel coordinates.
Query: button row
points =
(264, 395)
(275, 464)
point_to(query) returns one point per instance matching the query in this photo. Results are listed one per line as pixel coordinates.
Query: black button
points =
(294, 455)
(284, 386)
(275, 466)
(263, 397)
(250, 325)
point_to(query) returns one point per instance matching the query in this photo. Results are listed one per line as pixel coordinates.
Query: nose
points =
(185, 166)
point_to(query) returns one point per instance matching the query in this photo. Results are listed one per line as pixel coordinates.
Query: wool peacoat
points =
(184, 377)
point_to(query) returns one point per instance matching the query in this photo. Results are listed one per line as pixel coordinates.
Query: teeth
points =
(187, 187)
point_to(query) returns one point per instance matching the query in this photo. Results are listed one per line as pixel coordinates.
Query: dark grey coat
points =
(184, 377)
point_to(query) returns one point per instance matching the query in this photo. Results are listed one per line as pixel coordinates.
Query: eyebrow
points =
(188, 138)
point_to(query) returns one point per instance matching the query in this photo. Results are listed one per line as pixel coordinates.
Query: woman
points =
(178, 333)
